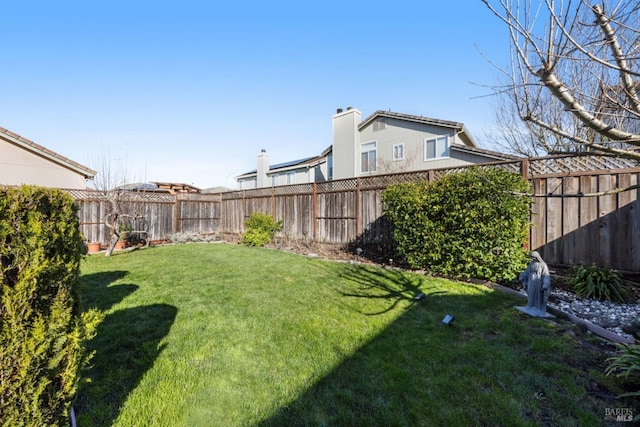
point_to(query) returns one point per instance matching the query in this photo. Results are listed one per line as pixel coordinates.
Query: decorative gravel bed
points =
(607, 315)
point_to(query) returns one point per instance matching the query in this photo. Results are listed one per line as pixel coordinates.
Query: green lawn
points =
(222, 335)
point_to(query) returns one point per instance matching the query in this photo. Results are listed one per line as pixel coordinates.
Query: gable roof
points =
(460, 127)
(41, 151)
(294, 164)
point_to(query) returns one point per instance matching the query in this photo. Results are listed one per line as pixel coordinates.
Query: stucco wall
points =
(19, 166)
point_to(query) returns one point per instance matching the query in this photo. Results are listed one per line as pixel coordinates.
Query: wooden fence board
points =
(607, 206)
(570, 223)
(538, 234)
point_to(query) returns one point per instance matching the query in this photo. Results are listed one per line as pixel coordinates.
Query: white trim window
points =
(398, 152)
(435, 148)
(291, 177)
(274, 179)
(368, 160)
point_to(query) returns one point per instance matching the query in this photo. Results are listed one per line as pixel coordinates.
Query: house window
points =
(330, 166)
(274, 180)
(436, 148)
(291, 177)
(398, 151)
(368, 157)
(379, 124)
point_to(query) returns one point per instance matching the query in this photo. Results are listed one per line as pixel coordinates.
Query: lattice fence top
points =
(338, 185)
(195, 197)
(124, 196)
(572, 164)
(541, 166)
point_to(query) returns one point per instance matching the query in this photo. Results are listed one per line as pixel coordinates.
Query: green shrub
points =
(42, 330)
(467, 224)
(260, 229)
(602, 283)
(626, 366)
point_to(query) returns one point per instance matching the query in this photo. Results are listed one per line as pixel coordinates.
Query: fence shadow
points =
(603, 241)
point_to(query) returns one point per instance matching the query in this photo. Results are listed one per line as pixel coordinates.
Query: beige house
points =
(24, 162)
(384, 142)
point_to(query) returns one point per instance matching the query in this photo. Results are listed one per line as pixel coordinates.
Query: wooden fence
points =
(571, 225)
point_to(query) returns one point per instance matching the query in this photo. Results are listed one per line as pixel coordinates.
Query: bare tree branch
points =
(625, 71)
(572, 79)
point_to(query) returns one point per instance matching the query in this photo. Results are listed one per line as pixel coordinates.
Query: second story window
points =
(291, 177)
(368, 157)
(398, 152)
(436, 147)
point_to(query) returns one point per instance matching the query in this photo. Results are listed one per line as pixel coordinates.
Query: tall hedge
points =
(467, 224)
(42, 329)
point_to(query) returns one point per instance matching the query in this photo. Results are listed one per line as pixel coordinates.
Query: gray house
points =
(25, 162)
(384, 142)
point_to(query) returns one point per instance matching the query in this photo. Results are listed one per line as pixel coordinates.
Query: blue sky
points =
(191, 91)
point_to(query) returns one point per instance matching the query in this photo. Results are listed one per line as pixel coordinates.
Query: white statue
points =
(537, 284)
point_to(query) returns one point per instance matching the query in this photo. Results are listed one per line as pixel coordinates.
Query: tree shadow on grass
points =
(492, 366)
(98, 290)
(394, 286)
(125, 347)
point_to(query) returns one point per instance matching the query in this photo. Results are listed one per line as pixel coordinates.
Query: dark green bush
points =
(626, 366)
(42, 330)
(260, 229)
(467, 224)
(602, 283)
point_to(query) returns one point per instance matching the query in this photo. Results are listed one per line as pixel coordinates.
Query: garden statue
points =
(537, 284)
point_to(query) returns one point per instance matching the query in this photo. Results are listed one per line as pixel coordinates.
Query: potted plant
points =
(93, 247)
(124, 231)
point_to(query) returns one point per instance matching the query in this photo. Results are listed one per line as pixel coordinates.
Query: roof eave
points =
(41, 151)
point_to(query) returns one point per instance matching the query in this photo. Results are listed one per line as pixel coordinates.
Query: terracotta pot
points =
(93, 247)
(121, 244)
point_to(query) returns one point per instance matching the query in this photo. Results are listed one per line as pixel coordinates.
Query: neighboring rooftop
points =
(45, 152)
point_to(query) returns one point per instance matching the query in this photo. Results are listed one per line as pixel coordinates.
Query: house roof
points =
(307, 161)
(176, 187)
(421, 119)
(484, 152)
(41, 151)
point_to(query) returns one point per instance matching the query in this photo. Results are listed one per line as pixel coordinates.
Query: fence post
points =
(314, 203)
(358, 215)
(524, 171)
(273, 202)
(244, 210)
(176, 213)
(524, 168)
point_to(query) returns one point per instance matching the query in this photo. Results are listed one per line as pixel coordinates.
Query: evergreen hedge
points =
(471, 223)
(42, 329)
